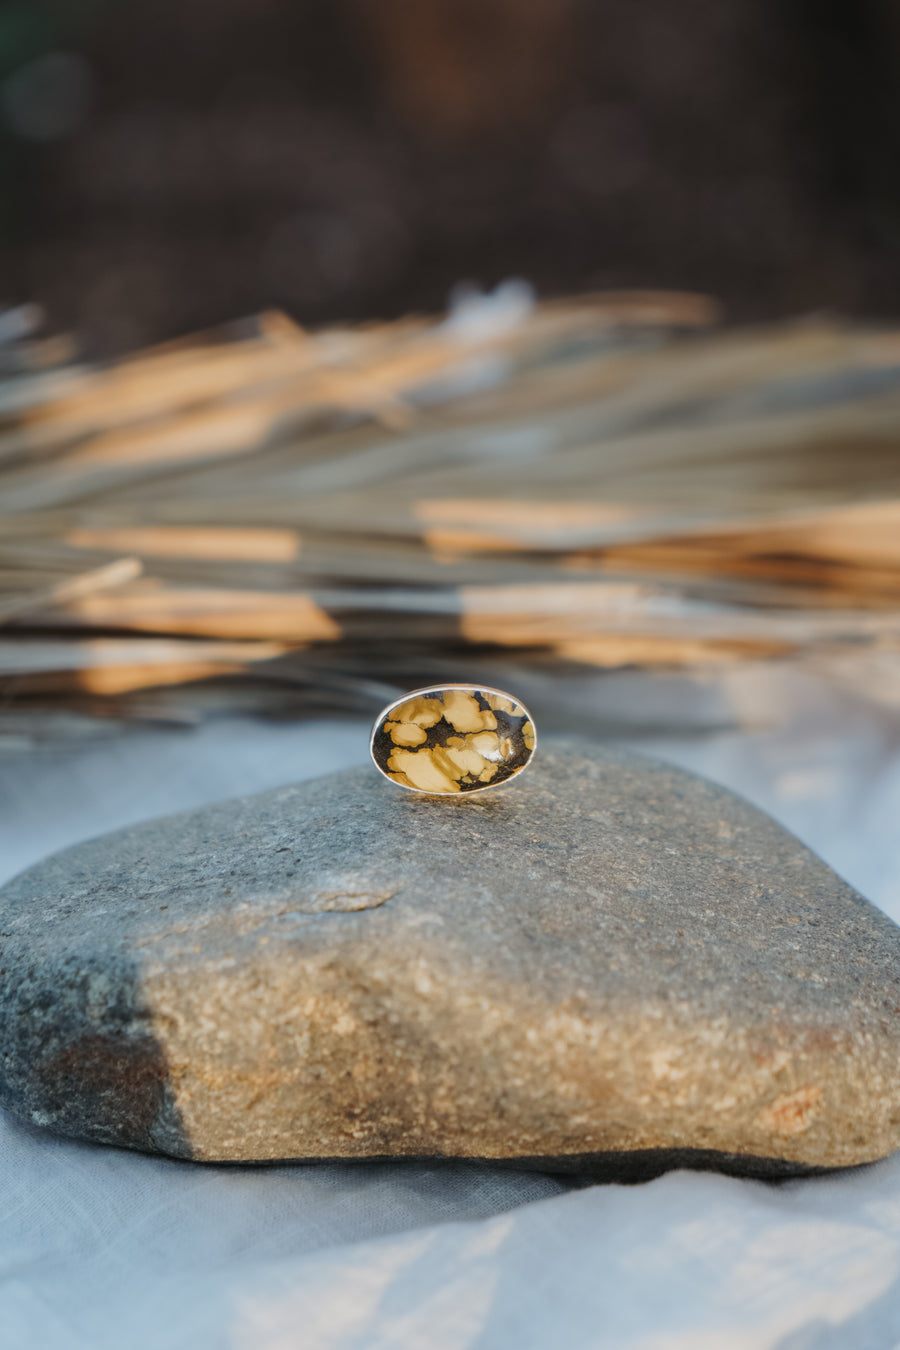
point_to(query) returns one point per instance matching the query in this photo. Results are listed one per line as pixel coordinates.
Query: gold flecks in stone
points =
(500, 703)
(420, 769)
(452, 740)
(468, 758)
(406, 733)
(464, 713)
(422, 712)
(487, 744)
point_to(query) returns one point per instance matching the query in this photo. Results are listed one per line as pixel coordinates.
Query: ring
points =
(454, 738)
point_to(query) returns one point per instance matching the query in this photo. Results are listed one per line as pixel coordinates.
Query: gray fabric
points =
(102, 1248)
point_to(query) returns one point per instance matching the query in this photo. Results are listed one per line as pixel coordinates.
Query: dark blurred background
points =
(169, 166)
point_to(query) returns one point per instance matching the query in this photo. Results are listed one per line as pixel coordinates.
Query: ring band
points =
(452, 739)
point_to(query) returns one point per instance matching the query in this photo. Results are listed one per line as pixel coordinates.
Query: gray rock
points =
(609, 962)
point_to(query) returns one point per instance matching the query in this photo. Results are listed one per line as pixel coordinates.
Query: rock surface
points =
(607, 960)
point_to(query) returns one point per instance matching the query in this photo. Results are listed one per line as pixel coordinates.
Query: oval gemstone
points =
(453, 738)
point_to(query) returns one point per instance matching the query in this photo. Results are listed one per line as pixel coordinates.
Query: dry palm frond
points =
(320, 518)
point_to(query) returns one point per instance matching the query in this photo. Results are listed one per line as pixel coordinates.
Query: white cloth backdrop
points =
(101, 1248)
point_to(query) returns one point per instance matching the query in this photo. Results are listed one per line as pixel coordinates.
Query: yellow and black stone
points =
(452, 739)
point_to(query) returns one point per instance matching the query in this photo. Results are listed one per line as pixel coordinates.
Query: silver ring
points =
(453, 738)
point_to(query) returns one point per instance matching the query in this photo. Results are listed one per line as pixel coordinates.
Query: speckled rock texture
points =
(607, 964)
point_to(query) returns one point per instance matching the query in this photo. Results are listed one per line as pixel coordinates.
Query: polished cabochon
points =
(452, 739)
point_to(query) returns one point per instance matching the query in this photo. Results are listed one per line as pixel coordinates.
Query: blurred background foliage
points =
(166, 167)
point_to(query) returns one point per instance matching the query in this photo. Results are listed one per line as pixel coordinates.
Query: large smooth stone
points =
(609, 957)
